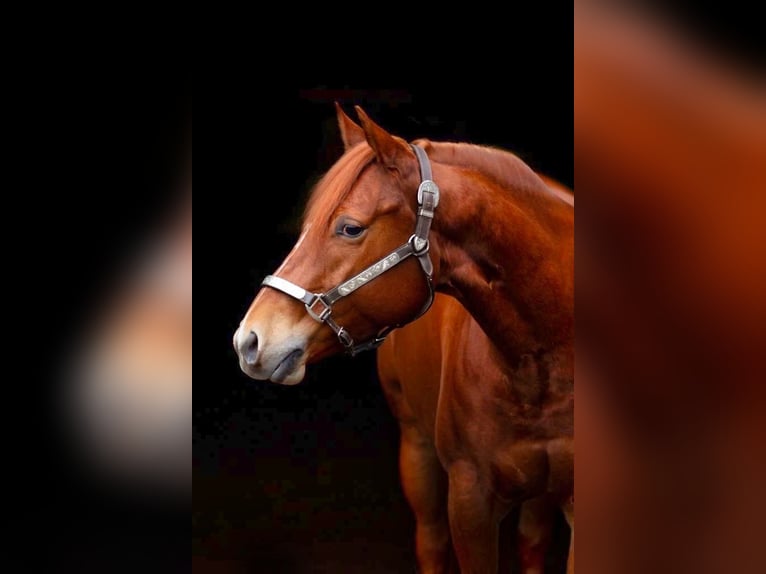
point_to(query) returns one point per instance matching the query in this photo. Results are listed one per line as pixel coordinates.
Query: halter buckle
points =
(344, 338)
(322, 315)
(428, 186)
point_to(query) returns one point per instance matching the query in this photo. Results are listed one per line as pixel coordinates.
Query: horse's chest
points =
(515, 425)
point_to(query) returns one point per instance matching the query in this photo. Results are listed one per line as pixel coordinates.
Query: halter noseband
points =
(319, 305)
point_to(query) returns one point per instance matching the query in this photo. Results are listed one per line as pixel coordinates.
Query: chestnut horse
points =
(489, 232)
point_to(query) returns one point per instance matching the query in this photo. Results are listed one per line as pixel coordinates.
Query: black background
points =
(98, 149)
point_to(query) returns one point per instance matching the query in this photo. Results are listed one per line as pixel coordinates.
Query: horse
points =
(490, 233)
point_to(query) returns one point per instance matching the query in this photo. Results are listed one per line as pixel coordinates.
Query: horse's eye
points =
(351, 230)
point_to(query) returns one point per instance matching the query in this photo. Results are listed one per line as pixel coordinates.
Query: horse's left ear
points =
(390, 150)
(350, 132)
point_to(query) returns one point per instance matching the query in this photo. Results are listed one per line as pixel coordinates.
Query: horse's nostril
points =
(249, 348)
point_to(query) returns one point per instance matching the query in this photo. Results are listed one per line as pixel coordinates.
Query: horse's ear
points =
(391, 151)
(350, 132)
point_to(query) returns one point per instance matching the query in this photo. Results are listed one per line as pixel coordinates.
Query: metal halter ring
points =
(321, 317)
(425, 245)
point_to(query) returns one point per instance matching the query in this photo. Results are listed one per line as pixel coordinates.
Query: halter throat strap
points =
(319, 305)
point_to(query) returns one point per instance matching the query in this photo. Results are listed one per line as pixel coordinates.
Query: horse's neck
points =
(505, 251)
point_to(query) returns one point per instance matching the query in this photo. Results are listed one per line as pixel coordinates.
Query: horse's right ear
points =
(391, 151)
(350, 132)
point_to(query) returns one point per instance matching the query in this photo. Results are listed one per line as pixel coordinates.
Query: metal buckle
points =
(344, 338)
(428, 186)
(323, 314)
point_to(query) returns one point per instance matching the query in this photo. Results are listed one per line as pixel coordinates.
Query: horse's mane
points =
(503, 167)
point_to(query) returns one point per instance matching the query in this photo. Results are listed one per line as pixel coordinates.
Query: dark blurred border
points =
(99, 142)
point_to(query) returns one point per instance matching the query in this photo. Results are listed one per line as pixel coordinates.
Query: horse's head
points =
(357, 249)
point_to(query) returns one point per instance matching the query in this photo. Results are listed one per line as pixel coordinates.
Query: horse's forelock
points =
(336, 184)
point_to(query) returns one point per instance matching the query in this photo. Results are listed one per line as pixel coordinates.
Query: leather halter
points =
(319, 305)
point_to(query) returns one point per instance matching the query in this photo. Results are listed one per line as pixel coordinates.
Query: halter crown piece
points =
(319, 305)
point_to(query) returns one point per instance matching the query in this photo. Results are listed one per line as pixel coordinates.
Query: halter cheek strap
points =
(319, 305)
